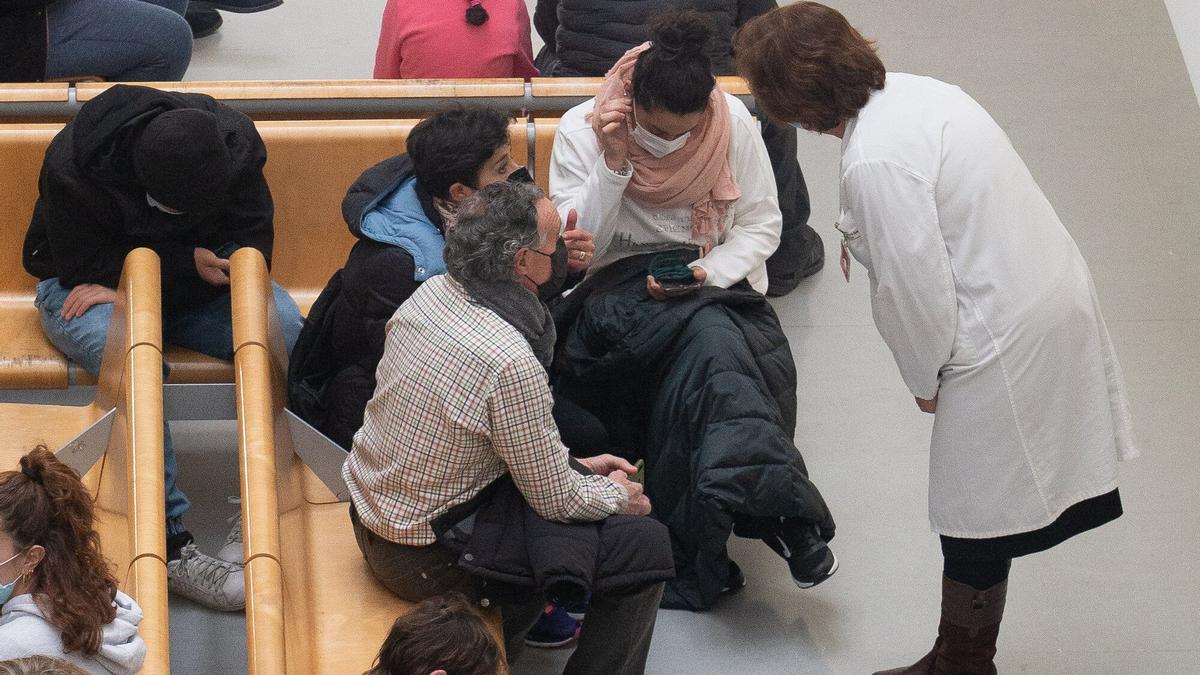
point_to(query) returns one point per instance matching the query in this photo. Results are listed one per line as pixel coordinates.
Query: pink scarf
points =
(696, 175)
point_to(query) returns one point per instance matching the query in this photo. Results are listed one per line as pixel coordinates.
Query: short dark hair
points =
(441, 633)
(806, 64)
(452, 146)
(676, 73)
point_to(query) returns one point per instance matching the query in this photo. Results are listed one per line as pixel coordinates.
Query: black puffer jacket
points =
(23, 40)
(502, 540)
(332, 371)
(704, 388)
(585, 37)
(92, 210)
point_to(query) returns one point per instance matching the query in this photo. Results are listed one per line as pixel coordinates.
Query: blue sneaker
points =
(555, 628)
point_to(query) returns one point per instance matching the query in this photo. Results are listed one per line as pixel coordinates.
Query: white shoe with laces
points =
(232, 551)
(216, 584)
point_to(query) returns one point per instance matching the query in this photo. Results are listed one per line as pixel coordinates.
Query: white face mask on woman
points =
(659, 147)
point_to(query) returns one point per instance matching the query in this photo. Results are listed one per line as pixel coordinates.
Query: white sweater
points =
(985, 301)
(580, 180)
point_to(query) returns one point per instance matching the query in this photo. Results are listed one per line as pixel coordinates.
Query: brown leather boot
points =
(966, 642)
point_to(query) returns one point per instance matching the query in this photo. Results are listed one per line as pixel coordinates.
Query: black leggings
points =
(980, 574)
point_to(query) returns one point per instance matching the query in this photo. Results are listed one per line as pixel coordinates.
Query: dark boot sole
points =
(236, 9)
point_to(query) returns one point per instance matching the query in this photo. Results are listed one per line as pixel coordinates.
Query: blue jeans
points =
(119, 40)
(207, 329)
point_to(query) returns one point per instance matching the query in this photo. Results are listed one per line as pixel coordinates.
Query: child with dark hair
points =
(454, 39)
(442, 636)
(399, 210)
(58, 596)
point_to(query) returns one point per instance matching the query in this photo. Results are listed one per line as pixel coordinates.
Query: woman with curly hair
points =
(58, 597)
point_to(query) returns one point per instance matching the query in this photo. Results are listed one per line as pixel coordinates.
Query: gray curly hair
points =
(493, 224)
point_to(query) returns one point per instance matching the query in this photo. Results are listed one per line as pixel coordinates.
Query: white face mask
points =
(659, 147)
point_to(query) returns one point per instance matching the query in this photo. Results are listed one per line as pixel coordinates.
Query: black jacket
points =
(502, 541)
(23, 33)
(704, 388)
(92, 210)
(586, 37)
(332, 371)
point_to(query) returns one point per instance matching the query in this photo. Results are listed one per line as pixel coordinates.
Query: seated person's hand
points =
(580, 245)
(612, 120)
(928, 406)
(213, 270)
(82, 297)
(602, 465)
(638, 503)
(656, 290)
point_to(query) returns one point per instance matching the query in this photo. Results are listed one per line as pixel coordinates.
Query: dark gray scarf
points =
(522, 310)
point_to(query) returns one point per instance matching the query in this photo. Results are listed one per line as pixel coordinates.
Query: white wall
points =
(1185, 15)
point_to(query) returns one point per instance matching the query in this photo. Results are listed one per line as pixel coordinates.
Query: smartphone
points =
(674, 288)
(225, 250)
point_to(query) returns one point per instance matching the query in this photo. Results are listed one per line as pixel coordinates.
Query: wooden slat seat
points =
(34, 92)
(588, 86)
(127, 480)
(302, 559)
(279, 90)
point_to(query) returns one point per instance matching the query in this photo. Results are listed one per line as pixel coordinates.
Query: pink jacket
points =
(432, 39)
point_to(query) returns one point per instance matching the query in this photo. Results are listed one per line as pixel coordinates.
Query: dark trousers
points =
(616, 636)
(795, 241)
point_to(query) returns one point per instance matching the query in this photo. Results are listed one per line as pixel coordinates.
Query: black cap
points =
(182, 161)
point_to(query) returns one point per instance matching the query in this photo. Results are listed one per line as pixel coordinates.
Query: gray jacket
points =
(25, 632)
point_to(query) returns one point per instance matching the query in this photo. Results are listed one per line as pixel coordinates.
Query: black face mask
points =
(521, 175)
(552, 287)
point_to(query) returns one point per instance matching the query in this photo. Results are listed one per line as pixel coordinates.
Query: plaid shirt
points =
(461, 399)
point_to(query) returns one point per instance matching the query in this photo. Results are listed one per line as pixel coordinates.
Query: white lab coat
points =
(984, 300)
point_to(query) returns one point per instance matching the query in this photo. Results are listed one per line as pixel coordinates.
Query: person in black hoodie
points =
(182, 175)
(586, 37)
(399, 210)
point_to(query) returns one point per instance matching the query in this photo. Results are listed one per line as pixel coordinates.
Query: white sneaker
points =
(216, 584)
(231, 551)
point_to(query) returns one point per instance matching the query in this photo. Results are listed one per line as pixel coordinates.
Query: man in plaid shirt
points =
(462, 398)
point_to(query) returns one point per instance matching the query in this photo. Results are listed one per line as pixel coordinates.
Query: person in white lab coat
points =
(984, 299)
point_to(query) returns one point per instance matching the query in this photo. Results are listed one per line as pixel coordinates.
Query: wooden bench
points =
(310, 166)
(302, 562)
(127, 479)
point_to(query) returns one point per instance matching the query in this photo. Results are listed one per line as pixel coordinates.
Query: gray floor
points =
(1095, 96)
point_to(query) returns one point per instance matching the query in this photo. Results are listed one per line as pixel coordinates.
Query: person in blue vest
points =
(399, 210)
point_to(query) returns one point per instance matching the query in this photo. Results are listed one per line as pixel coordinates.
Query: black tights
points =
(980, 574)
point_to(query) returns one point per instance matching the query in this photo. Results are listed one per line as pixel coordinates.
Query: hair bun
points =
(32, 465)
(681, 33)
(476, 14)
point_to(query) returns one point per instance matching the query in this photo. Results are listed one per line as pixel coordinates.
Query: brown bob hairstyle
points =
(806, 64)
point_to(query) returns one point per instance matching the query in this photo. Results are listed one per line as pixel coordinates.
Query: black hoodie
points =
(92, 209)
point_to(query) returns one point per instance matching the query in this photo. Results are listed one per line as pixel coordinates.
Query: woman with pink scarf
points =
(662, 159)
(671, 176)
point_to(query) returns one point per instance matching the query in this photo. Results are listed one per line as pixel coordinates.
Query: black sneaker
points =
(807, 555)
(238, 6)
(813, 259)
(175, 544)
(736, 580)
(204, 22)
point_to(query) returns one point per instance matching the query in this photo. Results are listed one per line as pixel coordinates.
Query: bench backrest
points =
(310, 165)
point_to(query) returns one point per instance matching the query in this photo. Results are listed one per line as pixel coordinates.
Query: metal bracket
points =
(322, 455)
(82, 452)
